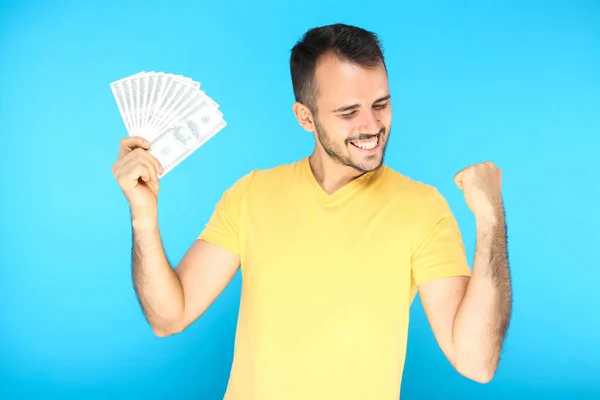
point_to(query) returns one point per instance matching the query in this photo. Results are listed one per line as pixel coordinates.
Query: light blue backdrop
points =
(517, 83)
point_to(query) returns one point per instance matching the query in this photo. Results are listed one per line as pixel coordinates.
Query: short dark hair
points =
(349, 43)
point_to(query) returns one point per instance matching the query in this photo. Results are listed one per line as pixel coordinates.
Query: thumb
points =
(458, 182)
(461, 176)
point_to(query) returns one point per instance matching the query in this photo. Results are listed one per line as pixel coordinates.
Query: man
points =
(332, 248)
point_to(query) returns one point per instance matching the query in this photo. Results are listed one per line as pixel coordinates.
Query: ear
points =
(304, 116)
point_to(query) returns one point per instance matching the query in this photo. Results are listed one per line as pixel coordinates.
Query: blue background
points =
(517, 83)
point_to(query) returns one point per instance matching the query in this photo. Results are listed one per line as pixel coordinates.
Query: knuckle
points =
(141, 152)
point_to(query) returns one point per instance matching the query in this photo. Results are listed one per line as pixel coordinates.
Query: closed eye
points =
(348, 115)
(378, 107)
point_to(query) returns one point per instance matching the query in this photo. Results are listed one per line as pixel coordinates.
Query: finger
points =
(140, 153)
(157, 165)
(155, 162)
(137, 167)
(147, 161)
(459, 177)
(131, 143)
(153, 186)
(464, 175)
(130, 177)
(459, 183)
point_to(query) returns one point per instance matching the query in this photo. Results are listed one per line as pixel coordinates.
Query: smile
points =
(368, 145)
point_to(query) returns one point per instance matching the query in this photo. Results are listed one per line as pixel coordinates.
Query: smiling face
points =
(353, 113)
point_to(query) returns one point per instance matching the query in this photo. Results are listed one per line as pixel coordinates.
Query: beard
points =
(340, 154)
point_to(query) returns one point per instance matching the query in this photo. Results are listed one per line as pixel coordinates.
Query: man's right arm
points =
(174, 299)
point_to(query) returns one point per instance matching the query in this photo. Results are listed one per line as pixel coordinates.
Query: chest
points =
(356, 253)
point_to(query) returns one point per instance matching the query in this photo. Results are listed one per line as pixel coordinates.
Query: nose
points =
(370, 124)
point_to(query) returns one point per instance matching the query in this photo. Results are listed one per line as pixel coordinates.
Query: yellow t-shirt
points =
(328, 280)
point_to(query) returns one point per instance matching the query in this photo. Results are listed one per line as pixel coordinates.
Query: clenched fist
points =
(137, 172)
(482, 187)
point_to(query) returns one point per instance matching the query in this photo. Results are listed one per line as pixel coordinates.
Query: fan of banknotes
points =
(168, 110)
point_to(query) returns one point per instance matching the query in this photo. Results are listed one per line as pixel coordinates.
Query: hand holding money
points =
(136, 171)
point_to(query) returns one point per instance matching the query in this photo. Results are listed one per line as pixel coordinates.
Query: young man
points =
(333, 247)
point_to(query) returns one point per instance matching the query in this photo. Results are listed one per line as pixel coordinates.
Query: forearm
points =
(483, 317)
(158, 288)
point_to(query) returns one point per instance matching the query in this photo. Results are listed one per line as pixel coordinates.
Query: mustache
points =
(365, 136)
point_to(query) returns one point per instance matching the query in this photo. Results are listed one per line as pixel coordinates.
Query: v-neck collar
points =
(343, 192)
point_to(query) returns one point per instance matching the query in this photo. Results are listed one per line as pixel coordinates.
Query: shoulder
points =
(280, 171)
(409, 189)
(265, 179)
(420, 204)
(274, 177)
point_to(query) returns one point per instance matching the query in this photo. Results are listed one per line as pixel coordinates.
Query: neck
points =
(331, 175)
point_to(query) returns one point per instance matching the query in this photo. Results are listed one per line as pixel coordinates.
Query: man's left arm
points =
(470, 316)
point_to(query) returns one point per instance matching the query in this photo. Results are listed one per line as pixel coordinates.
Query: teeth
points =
(367, 144)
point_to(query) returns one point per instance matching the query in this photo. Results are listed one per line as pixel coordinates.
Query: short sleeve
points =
(222, 228)
(440, 250)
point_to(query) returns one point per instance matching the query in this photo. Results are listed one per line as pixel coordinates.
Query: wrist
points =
(143, 220)
(489, 220)
(491, 215)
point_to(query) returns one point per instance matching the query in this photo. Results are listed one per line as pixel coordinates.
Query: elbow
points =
(483, 376)
(480, 372)
(166, 330)
(163, 333)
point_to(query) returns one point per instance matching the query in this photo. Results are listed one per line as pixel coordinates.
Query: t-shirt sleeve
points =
(222, 228)
(440, 250)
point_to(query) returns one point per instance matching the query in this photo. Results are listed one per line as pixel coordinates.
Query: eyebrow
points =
(353, 106)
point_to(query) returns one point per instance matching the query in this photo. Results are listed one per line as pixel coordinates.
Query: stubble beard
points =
(338, 154)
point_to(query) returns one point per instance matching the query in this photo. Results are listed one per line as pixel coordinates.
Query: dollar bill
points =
(179, 140)
(170, 111)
